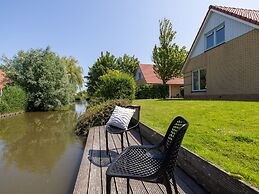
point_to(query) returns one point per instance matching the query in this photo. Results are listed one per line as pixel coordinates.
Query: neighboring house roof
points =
(3, 79)
(247, 16)
(151, 78)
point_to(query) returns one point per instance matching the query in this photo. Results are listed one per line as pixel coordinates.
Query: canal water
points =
(39, 152)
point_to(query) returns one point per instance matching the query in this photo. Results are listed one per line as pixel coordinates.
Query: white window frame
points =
(214, 30)
(199, 80)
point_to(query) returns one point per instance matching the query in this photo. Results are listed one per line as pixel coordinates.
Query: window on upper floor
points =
(220, 35)
(215, 37)
(199, 80)
(210, 40)
(138, 76)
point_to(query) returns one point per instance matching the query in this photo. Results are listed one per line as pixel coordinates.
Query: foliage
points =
(127, 64)
(82, 95)
(116, 85)
(149, 91)
(74, 72)
(106, 62)
(98, 115)
(223, 132)
(43, 76)
(14, 99)
(168, 57)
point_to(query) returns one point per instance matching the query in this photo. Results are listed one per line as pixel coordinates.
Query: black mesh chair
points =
(154, 163)
(134, 124)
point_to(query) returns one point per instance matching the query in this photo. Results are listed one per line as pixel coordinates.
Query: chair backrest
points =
(136, 115)
(172, 143)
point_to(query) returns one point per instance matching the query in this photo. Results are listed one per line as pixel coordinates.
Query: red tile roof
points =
(2, 79)
(248, 15)
(151, 78)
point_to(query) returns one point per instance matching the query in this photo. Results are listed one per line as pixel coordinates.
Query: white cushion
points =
(121, 117)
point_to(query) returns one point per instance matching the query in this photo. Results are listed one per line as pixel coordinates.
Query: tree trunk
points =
(164, 90)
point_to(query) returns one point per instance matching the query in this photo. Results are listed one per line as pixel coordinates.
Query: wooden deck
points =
(91, 176)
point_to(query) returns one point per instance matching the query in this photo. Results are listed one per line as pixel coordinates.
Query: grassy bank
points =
(225, 133)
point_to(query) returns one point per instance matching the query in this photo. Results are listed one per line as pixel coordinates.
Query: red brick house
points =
(146, 75)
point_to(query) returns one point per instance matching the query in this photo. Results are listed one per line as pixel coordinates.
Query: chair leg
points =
(128, 186)
(108, 184)
(122, 142)
(167, 185)
(106, 137)
(175, 185)
(127, 138)
(141, 140)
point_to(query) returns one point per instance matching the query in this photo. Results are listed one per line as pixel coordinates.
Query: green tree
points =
(104, 63)
(128, 64)
(74, 72)
(43, 76)
(116, 85)
(168, 56)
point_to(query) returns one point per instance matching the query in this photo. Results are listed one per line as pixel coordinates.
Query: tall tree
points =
(74, 72)
(168, 56)
(128, 64)
(104, 63)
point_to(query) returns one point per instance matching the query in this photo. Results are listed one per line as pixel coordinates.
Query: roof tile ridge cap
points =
(238, 8)
(235, 14)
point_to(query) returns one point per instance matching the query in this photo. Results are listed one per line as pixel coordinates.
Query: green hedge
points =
(13, 99)
(98, 115)
(149, 91)
(116, 85)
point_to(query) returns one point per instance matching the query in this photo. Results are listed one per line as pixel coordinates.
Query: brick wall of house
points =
(232, 70)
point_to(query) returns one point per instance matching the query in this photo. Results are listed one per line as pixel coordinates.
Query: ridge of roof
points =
(249, 15)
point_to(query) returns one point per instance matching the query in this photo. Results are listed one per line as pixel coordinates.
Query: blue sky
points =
(83, 29)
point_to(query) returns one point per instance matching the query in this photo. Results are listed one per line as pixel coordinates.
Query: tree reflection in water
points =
(37, 140)
(39, 152)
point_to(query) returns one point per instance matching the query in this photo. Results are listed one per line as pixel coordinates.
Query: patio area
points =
(91, 176)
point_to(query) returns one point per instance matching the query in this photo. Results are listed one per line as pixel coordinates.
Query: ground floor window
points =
(199, 80)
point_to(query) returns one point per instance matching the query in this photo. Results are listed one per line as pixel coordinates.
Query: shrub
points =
(148, 91)
(14, 99)
(98, 115)
(116, 85)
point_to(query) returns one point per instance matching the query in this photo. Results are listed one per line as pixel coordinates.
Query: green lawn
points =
(225, 133)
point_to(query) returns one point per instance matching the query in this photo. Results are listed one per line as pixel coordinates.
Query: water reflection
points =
(39, 152)
(80, 107)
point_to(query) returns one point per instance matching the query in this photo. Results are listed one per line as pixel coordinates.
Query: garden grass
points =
(225, 133)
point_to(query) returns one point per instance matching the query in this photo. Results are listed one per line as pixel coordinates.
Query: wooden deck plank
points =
(82, 182)
(121, 183)
(95, 181)
(105, 160)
